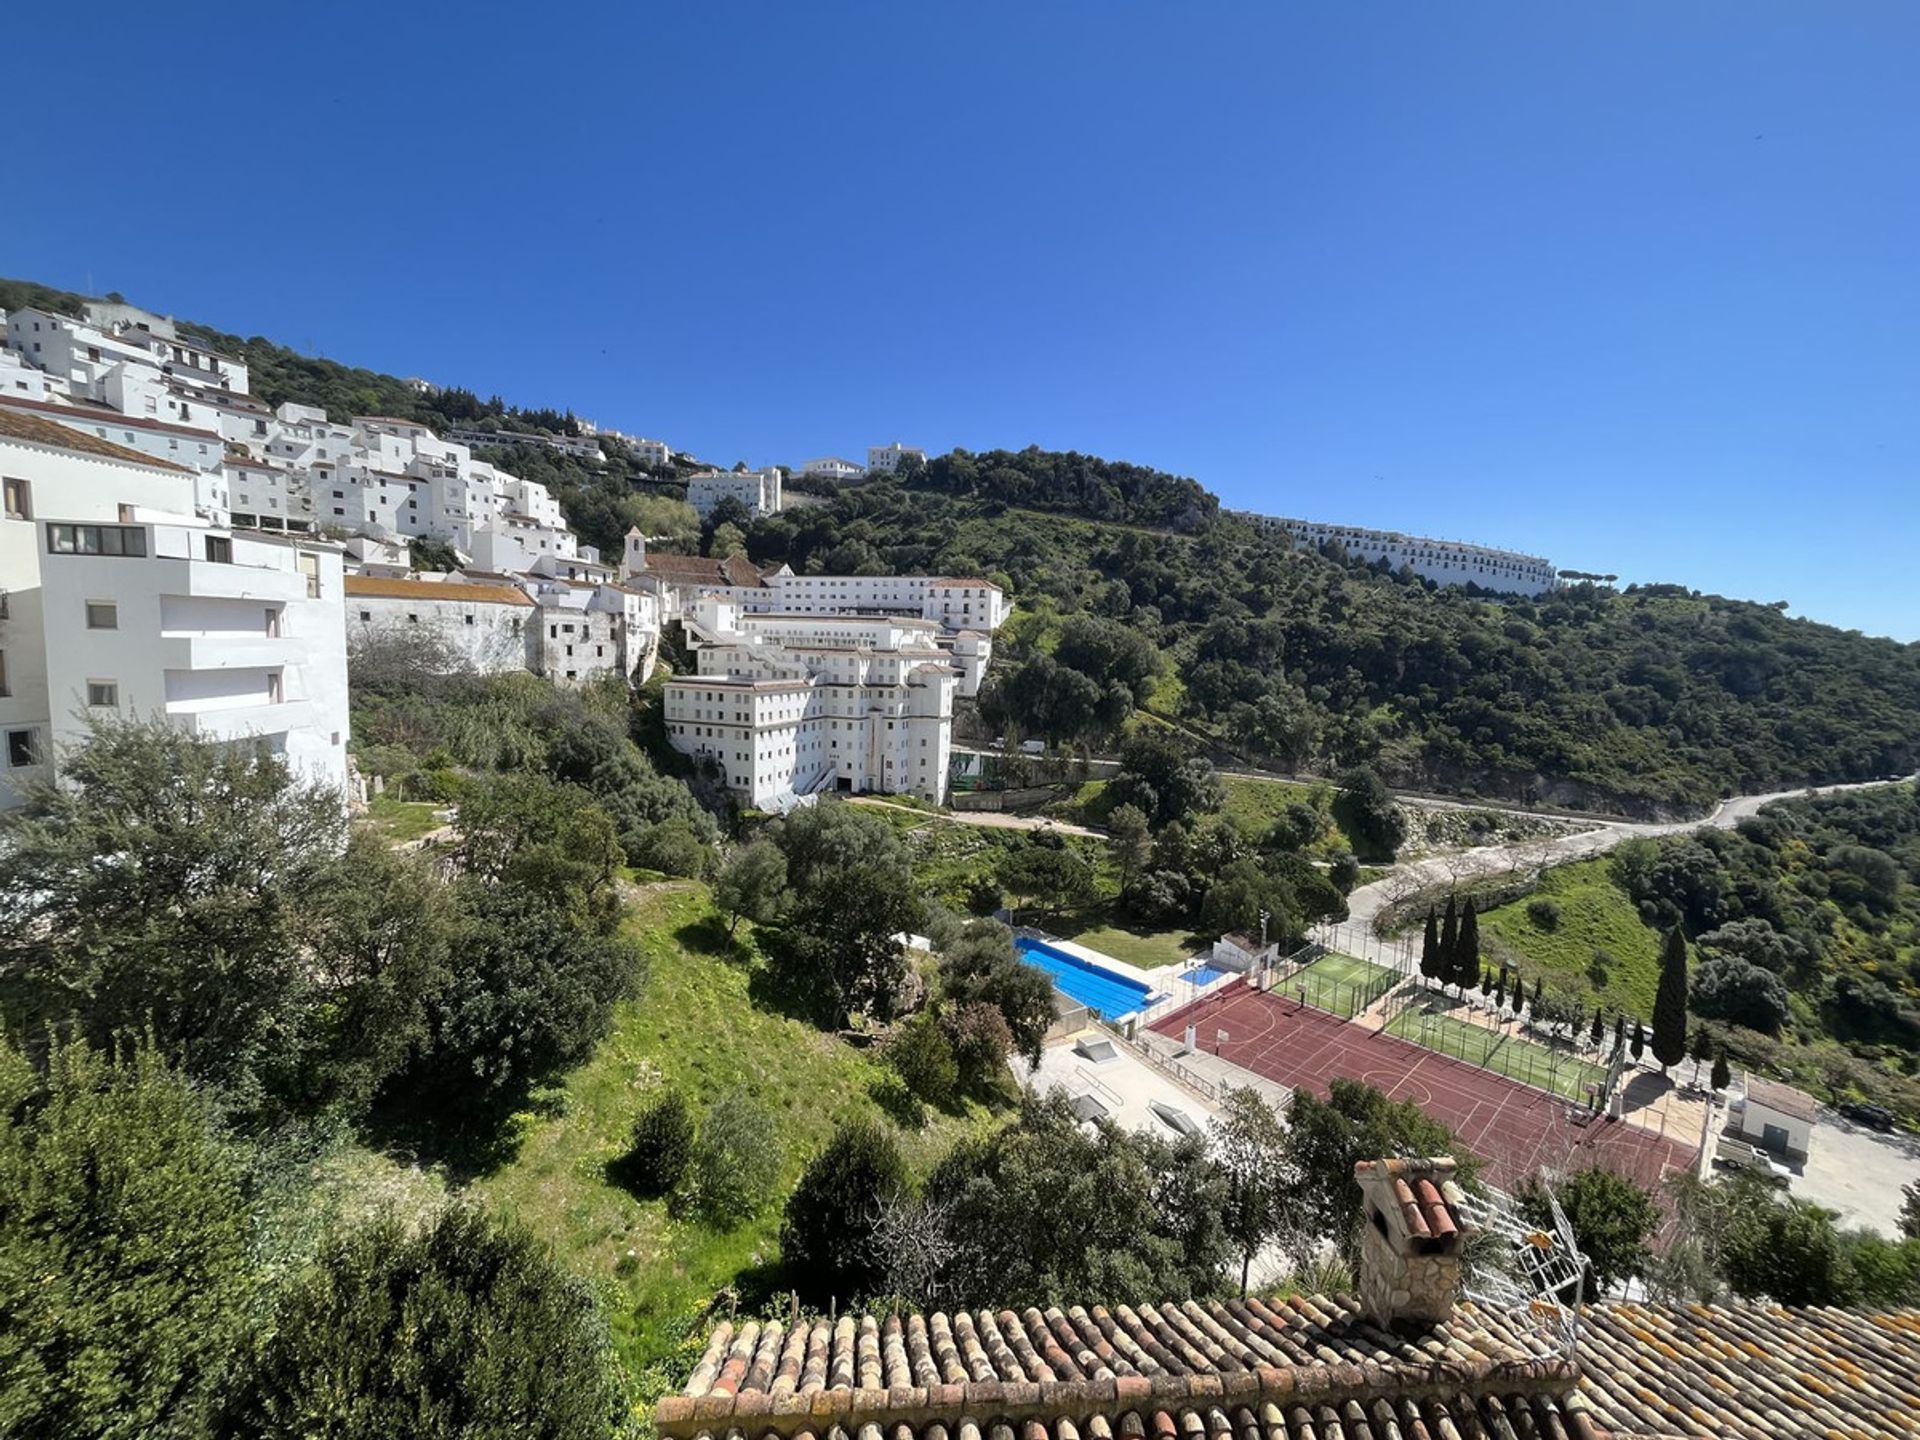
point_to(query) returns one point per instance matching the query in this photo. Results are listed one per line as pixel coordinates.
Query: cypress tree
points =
(1449, 941)
(1519, 994)
(1721, 1073)
(1466, 954)
(1539, 986)
(1430, 947)
(1639, 1039)
(1486, 981)
(1700, 1050)
(1599, 1027)
(1619, 1031)
(1500, 992)
(1670, 1002)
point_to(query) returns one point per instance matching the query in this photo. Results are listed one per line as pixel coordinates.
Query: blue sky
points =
(1630, 285)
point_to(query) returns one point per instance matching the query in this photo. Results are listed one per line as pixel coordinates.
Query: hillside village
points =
(921, 948)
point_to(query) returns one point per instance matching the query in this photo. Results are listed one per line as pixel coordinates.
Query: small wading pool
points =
(1203, 974)
(1111, 995)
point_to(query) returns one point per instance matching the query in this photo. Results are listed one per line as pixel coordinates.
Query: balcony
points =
(237, 722)
(217, 580)
(228, 652)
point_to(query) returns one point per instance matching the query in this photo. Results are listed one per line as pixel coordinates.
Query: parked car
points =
(1876, 1117)
(1731, 1150)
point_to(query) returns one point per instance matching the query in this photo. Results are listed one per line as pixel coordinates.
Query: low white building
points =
(832, 467)
(199, 448)
(885, 459)
(119, 599)
(792, 706)
(1777, 1117)
(1445, 562)
(758, 490)
(489, 629)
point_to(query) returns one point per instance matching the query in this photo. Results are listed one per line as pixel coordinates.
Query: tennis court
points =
(1514, 1128)
(1338, 984)
(1508, 1055)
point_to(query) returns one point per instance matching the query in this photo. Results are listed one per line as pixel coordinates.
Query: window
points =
(95, 540)
(103, 615)
(470, 619)
(310, 567)
(19, 499)
(103, 694)
(219, 549)
(274, 690)
(4, 691)
(273, 622)
(20, 749)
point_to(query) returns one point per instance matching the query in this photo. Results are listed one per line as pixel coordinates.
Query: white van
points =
(1732, 1150)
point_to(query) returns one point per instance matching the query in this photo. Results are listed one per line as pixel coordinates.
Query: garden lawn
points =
(401, 820)
(1595, 914)
(1148, 949)
(695, 1027)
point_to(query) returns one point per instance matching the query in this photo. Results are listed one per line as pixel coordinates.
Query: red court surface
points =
(1514, 1128)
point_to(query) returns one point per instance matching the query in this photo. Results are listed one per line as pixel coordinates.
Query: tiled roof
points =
(1751, 1371)
(961, 580)
(374, 587)
(701, 569)
(1784, 1098)
(49, 432)
(100, 415)
(1306, 1368)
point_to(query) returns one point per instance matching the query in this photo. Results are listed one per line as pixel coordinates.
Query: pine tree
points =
(1466, 954)
(1449, 941)
(1670, 1002)
(1721, 1072)
(1430, 947)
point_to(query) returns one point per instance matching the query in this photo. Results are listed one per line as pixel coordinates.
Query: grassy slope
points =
(1595, 914)
(401, 820)
(1148, 949)
(696, 1026)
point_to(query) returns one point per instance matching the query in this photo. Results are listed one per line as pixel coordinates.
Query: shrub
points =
(828, 1240)
(920, 1052)
(1544, 913)
(465, 1328)
(733, 1164)
(662, 1148)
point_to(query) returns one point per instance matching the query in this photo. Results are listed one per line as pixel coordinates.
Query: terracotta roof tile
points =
(1303, 1368)
(1777, 1096)
(375, 587)
(50, 432)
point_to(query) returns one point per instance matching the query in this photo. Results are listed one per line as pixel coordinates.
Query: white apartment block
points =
(1445, 562)
(792, 706)
(832, 467)
(120, 600)
(758, 490)
(886, 458)
(581, 447)
(964, 611)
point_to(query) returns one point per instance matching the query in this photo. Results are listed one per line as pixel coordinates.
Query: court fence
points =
(1318, 985)
(1542, 1067)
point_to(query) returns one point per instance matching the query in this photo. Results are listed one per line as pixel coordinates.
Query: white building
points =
(197, 447)
(1445, 562)
(791, 706)
(120, 599)
(1777, 1117)
(832, 467)
(488, 628)
(886, 458)
(758, 490)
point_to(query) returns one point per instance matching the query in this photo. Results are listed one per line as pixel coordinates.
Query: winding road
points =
(1365, 903)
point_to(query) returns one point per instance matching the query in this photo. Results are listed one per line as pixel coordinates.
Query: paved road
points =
(1366, 903)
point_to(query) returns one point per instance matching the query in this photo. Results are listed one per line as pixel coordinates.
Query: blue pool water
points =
(1204, 974)
(1111, 995)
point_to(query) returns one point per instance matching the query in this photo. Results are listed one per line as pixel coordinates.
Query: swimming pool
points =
(1111, 995)
(1203, 974)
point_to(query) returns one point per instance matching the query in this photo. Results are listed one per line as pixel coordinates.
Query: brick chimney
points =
(1411, 1237)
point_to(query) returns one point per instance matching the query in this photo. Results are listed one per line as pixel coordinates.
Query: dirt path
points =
(986, 819)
